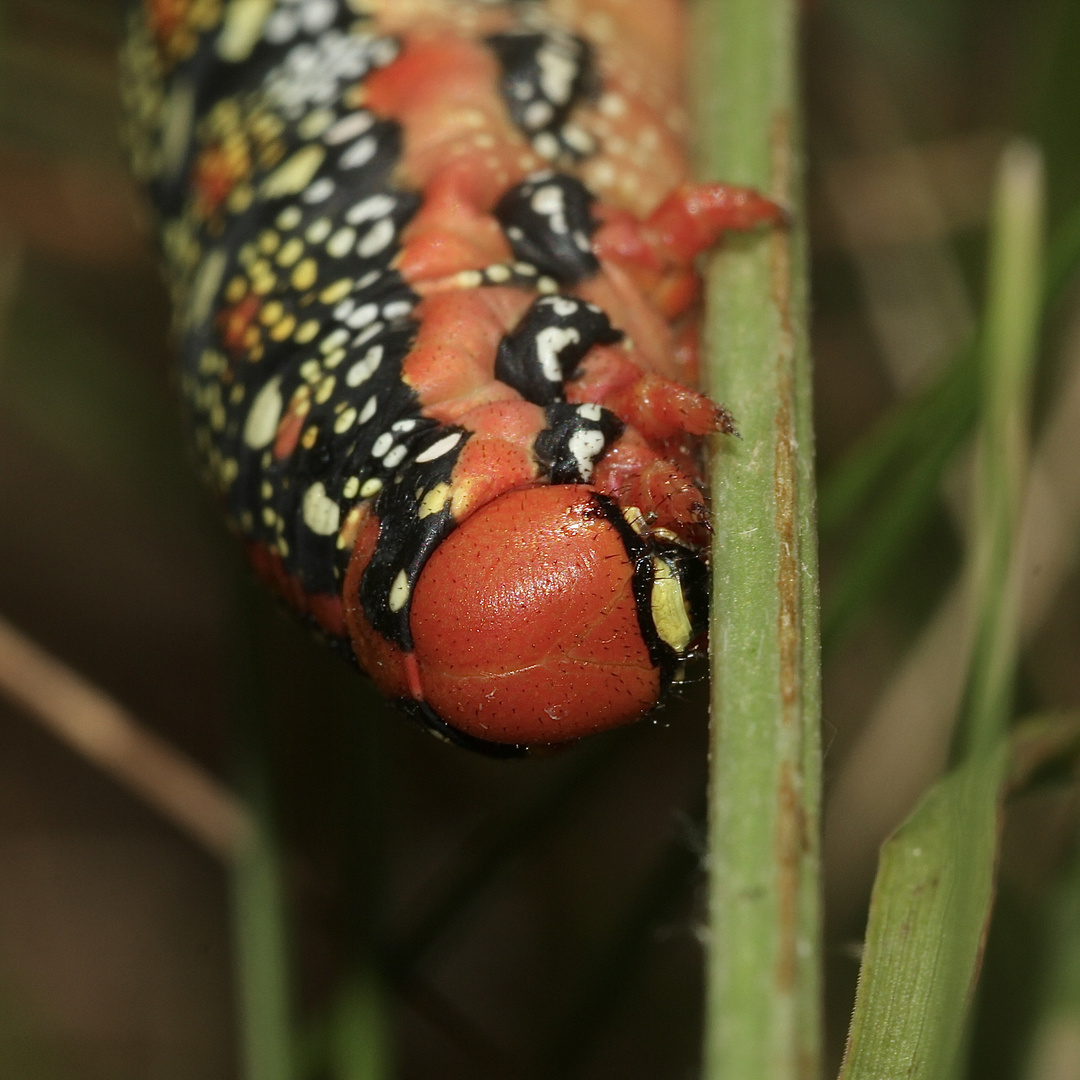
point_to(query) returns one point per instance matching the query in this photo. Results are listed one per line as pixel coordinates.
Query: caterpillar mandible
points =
(432, 266)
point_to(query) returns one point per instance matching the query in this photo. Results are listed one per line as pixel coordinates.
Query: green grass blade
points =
(261, 969)
(361, 1041)
(763, 968)
(928, 918)
(1011, 337)
(260, 938)
(938, 419)
(888, 534)
(912, 428)
(932, 898)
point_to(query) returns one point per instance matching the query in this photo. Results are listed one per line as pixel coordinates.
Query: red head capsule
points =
(525, 624)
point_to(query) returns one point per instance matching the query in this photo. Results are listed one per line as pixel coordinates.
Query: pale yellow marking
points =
(345, 421)
(668, 608)
(434, 500)
(338, 291)
(293, 175)
(283, 328)
(305, 274)
(634, 519)
(399, 592)
(308, 331)
(325, 389)
(271, 313)
(320, 512)
(242, 27)
(292, 251)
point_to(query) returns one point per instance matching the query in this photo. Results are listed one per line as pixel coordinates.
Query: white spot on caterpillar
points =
(360, 153)
(548, 200)
(382, 444)
(176, 127)
(549, 343)
(557, 73)
(578, 138)
(376, 206)
(437, 449)
(368, 411)
(377, 238)
(538, 114)
(263, 416)
(207, 282)
(341, 242)
(586, 446)
(289, 218)
(590, 412)
(318, 231)
(321, 513)
(362, 316)
(364, 368)
(395, 457)
(348, 128)
(399, 592)
(319, 191)
(561, 305)
(371, 488)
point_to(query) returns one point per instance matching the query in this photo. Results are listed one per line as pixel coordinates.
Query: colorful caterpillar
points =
(432, 266)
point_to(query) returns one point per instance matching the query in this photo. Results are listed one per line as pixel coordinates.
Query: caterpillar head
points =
(545, 617)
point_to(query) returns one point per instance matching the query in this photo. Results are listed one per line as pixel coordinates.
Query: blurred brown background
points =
(579, 955)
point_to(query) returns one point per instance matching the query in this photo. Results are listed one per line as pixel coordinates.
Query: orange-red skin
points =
(525, 625)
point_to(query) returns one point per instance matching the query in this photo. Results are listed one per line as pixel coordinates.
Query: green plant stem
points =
(763, 1014)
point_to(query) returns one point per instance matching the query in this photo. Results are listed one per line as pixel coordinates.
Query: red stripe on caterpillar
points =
(432, 263)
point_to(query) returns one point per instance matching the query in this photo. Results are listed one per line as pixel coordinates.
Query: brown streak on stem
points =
(789, 830)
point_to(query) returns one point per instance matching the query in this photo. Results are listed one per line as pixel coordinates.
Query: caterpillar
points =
(432, 271)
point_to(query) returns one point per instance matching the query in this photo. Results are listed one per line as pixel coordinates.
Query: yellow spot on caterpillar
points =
(271, 313)
(338, 291)
(307, 440)
(284, 328)
(292, 251)
(305, 274)
(295, 174)
(434, 500)
(325, 389)
(307, 331)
